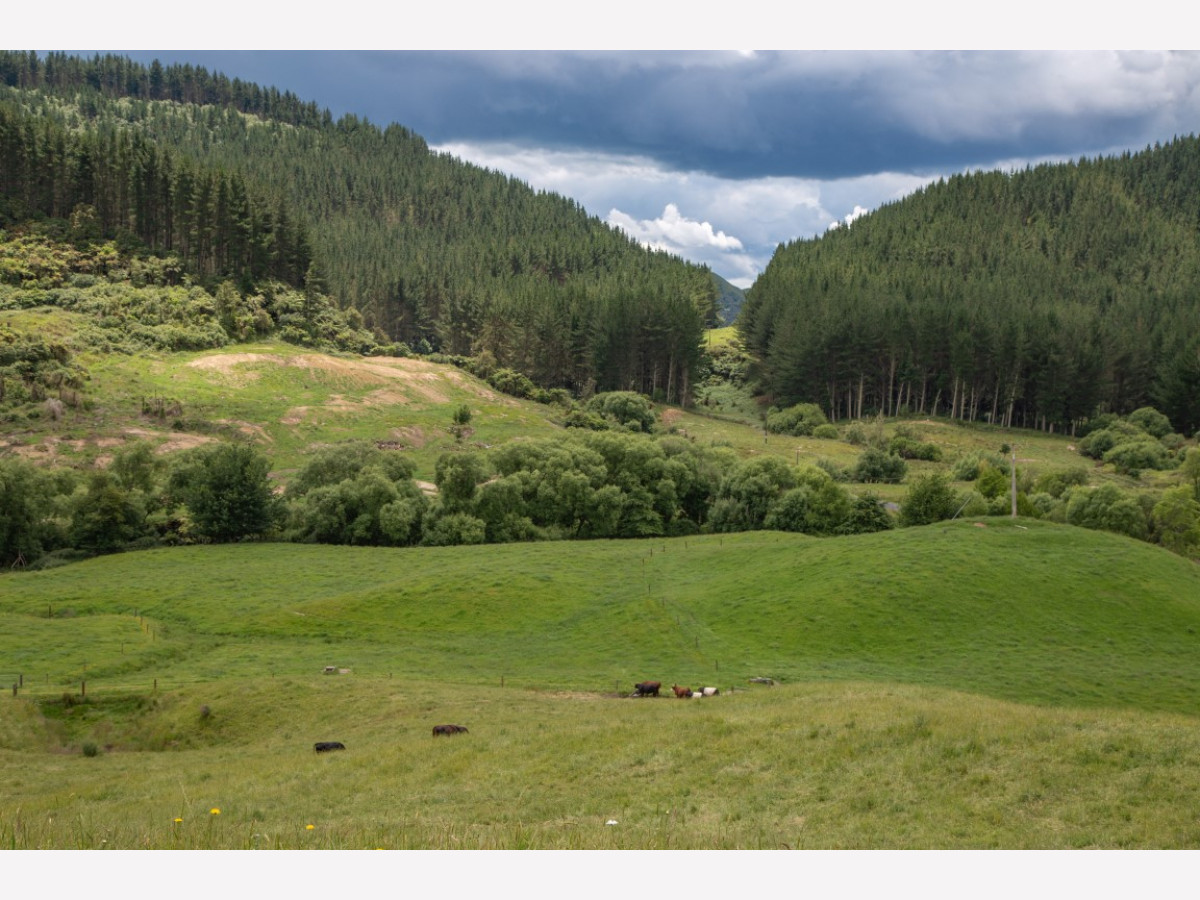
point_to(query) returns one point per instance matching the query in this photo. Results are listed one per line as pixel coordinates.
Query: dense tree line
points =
(608, 478)
(590, 484)
(108, 181)
(612, 484)
(1037, 298)
(434, 253)
(118, 76)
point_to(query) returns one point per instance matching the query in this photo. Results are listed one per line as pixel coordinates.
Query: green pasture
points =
(996, 683)
(1018, 609)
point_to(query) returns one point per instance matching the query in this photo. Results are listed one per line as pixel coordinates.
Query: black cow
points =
(646, 688)
(449, 729)
(326, 746)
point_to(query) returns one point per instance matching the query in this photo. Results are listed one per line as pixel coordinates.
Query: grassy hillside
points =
(1012, 685)
(1026, 612)
(284, 397)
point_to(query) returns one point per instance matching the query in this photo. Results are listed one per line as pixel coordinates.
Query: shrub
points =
(833, 470)
(907, 448)
(929, 500)
(1151, 421)
(1055, 483)
(748, 491)
(810, 510)
(991, 483)
(826, 432)
(867, 514)
(876, 466)
(580, 418)
(453, 529)
(512, 383)
(1106, 508)
(627, 408)
(1177, 521)
(801, 419)
(1131, 457)
(90, 749)
(969, 466)
(1097, 443)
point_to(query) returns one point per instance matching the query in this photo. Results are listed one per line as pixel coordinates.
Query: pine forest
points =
(242, 183)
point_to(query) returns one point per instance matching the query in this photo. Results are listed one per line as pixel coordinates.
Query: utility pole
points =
(1014, 482)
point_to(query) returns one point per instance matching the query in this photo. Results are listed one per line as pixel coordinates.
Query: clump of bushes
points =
(799, 420)
(626, 409)
(876, 466)
(907, 448)
(1142, 440)
(969, 466)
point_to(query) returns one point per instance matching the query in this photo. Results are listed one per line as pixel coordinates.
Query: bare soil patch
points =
(399, 380)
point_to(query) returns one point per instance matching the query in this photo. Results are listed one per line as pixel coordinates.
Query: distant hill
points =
(1036, 298)
(240, 182)
(729, 300)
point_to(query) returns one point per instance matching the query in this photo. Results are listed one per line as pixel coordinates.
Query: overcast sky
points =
(717, 156)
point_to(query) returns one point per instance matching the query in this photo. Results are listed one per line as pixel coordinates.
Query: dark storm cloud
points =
(811, 115)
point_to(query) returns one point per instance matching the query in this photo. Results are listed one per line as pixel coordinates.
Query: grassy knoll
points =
(1013, 685)
(1029, 613)
(286, 398)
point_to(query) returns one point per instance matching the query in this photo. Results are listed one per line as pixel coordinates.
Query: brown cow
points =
(449, 729)
(681, 692)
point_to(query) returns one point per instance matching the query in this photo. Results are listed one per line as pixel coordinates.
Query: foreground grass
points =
(967, 685)
(806, 766)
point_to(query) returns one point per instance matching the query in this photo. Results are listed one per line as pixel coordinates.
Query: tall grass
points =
(811, 766)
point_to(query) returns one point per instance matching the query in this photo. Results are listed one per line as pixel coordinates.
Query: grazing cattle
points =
(710, 692)
(696, 695)
(646, 688)
(681, 692)
(326, 746)
(448, 729)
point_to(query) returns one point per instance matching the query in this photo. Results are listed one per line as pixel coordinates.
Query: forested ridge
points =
(1035, 298)
(245, 182)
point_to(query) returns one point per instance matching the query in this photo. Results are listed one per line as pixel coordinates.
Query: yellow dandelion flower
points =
(214, 811)
(178, 820)
(309, 827)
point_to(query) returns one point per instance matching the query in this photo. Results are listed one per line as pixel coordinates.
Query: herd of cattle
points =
(641, 689)
(651, 689)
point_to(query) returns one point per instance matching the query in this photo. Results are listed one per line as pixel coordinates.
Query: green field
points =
(966, 685)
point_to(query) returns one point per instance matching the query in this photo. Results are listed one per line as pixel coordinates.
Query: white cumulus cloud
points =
(849, 217)
(673, 232)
